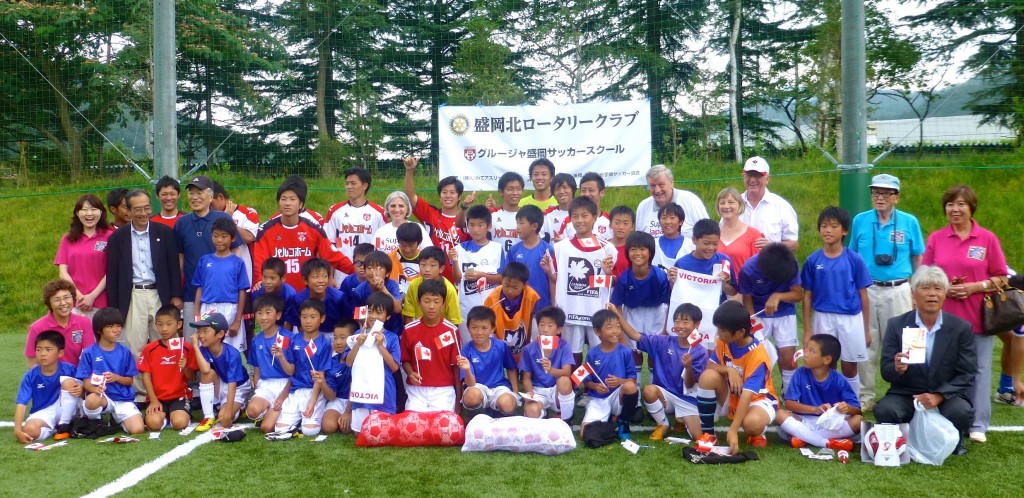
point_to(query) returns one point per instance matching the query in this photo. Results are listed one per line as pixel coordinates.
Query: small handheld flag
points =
(423, 353)
(589, 242)
(597, 281)
(581, 373)
(282, 343)
(481, 284)
(98, 379)
(310, 353)
(174, 343)
(360, 313)
(548, 342)
(755, 325)
(798, 354)
(726, 267)
(694, 338)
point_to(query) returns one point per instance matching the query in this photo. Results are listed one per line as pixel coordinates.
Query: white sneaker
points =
(978, 437)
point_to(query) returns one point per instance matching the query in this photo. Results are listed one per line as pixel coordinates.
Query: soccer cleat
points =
(978, 437)
(659, 433)
(705, 442)
(63, 432)
(680, 427)
(624, 431)
(840, 444)
(797, 442)
(206, 424)
(758, 441)
(1007, 398)
(279, 436)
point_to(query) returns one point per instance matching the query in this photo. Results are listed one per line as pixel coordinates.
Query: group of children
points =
(491, 326)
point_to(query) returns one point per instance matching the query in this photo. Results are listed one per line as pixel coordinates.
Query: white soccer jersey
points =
(553, 219)
(504, 229)
(602, 228)
(574, 265)
(487, 259)
(348, 226)
(246, 218)
(385, 239)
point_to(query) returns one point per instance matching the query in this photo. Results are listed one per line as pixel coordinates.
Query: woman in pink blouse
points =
(972, 259)
(737, 240)
(82, 254)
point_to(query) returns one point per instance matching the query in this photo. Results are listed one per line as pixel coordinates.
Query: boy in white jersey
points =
(504, 228)
(592, 186)
(354, 221)
(475, 265)
(563, 187)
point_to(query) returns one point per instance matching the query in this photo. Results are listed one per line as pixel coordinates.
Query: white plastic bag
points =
(932, 437)
(831, 420)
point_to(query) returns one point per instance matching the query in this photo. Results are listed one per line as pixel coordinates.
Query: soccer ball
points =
(377, 429)
(414, 427)
(872, 445)
(448, 430)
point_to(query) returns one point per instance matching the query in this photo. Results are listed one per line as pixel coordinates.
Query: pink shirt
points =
(976, 258)
(77, 336)
(87, 263)
(741, 249)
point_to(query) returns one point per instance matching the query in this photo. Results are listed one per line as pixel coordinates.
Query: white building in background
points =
(942, 130)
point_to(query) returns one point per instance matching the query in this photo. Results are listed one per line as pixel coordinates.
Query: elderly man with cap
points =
(661, 182)
(766, 211)
(891, 244)
(195, 238)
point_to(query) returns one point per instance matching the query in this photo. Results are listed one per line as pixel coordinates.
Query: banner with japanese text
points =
(478, 144)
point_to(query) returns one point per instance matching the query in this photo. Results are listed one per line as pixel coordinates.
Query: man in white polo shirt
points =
(765, 211)
(661, 184)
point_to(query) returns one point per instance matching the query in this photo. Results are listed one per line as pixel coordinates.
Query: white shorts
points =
(546, 396)
(782, 330)
(229, 310)
(490, 394)
(676, 405)
(337, 404)
(430, 399)
(241, 393)
(298, 400)
(269, 389)
(647, 321)
(849, 329)
(120, 410)
(358, 417)
(50, 417)
(765, 404)
(599, 409)
(574, 335)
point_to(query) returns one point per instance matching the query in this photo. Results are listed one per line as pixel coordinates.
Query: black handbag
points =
(1002, 310)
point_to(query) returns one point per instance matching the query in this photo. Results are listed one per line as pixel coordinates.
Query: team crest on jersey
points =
(302, 236)
(470, 288)
(100, 246)
(76, 336)
(579, 272)
(602, 230)
(515, 339)
(897, 236)
(469, 153)
(976, 252)
(366, 216)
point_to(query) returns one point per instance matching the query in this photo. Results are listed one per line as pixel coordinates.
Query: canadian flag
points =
(378, 243)
(755, 325)
(726, 267)
(281, 342)
(798, 354)
(694, 338)
(589, 242)
(548, 342)
(600, 281)
(422, 353)
(444, 340)
(311, 350)
(98, 379)
(360, 313)
(581, 373)
(174, 343)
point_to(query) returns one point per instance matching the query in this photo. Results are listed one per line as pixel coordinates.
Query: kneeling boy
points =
(546, 364)
(223, 380)
(108, 369)
(167, 366)
(52, 389)
(482, 362)
(613, 392)
(309, 355)
(431, 385)
(270, 372)
(338, 415)
(378, 308)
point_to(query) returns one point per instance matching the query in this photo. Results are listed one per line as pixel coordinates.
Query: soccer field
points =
(255, 467)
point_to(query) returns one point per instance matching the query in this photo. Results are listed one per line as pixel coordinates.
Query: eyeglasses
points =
(358, 264)
(884, 195)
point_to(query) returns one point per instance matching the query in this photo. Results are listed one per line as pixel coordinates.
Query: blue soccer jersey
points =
(286, 293)
(336, 304)
(339, 377)
(393, 344)
(298, 355)
(707, 267)
(529, 361)
(667, 357)
(805, 389)
(489, 366)
(361, 294)
(259, 354)
(220, 278)
(117, 361)
(538, 280)
(650, 292)
(753, 283)
(40, 389)
(619, 362)
(228, 365)
(829, 281)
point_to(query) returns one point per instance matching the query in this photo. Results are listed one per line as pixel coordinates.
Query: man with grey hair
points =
(891, 244)
(767, 211)
(660, 181)
(949, 364)
(195, 240)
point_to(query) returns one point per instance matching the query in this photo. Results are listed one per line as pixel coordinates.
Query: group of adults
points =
(136, 262)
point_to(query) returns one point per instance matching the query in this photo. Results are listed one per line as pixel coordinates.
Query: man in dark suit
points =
(950, 360)
(142, 274)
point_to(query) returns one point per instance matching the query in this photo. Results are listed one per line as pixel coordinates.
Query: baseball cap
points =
(201, 181)
(215, 320)
(885, 181)
(756, 164)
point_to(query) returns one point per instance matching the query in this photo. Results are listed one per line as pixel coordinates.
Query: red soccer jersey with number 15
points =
(295, 245)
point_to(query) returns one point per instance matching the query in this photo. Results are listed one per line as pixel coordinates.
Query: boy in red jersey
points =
(432, 375)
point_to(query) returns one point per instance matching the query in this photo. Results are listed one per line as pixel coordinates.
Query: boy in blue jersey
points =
(770, 285)
(676, 365)
(107, 369)
(817, 388)
(271, 375)
(51, 388)
(309, 357)
(613, 392)
(317, 272)
(338, 414)
(273, 284)
(378, 308)
(642, 292)
(530, 251)
(359, 253)
(222, 281)
(488, 369)
(377, 268)
(705, 256)
(221, 363)
(545, 365)
(840, 309)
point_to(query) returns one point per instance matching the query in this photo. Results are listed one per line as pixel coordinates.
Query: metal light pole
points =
(165, 154)
(855, 176)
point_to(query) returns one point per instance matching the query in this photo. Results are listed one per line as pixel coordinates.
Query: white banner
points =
(701, 290)
(368, 374)
(478, 144)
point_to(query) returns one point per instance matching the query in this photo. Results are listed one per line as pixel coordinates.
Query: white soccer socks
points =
(206, 394)
(657, 411)
(566, 404)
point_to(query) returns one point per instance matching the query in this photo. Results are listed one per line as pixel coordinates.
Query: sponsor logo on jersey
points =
(578, 277)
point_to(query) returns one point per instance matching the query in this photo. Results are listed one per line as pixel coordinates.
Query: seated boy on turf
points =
(488, 369)
(432, 384)
(475, 263)
(641, 294)
(219, 363)
(676, 365)
(338, 415)
(613, 392)
(222, 282)
(432, 264)
(51, 388)
(167, 366)
(317, 273)
(359, 253)
(273, 284)
(309, 355)
(405, 261)
(271, 374)
(546, 369)
(514, 303)
(530, 251)
(816, 388)
(107, 369)
(378, 308)
(737, 381)
(377, 268)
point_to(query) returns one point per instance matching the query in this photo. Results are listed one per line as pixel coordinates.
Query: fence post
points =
(165, 154)
(854, 179)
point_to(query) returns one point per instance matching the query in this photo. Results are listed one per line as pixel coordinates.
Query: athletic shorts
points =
(295, 405)
(50, 417)
(781, 329)
(120, 410)
(647, 321)
(430, 399)
(490, 395)
(676, 405)
(180, 404)
(575, 335)
(546, 396)
(765, 404)
(337, 404)
(241, 394)
(599, 409)
(229, 310)
(849, 329)
(269, 389)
